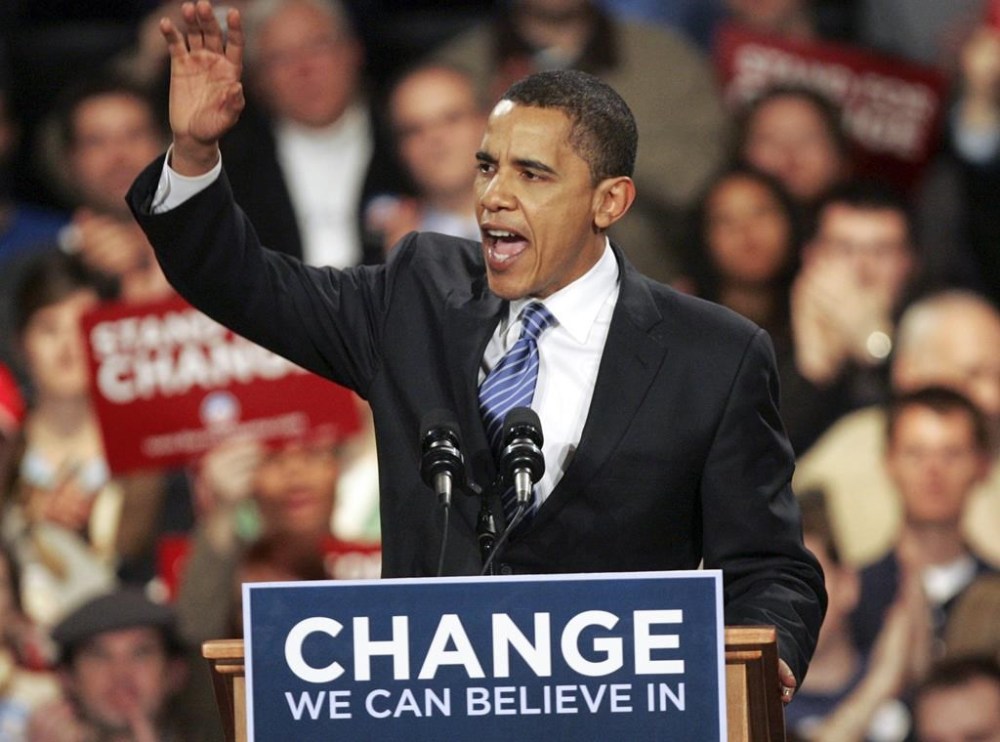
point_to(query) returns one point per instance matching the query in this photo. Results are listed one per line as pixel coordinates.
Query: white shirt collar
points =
(577, 305)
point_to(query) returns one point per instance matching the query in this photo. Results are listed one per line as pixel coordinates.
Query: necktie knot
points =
(535, 319)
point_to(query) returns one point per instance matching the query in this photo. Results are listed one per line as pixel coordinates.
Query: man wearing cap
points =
(120, 667)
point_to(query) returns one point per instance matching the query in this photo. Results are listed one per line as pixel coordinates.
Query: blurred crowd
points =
(880, 294)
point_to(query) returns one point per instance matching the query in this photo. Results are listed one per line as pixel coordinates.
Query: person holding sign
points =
(663, 445)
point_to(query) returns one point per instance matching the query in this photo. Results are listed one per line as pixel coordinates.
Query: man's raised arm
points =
(206, 95)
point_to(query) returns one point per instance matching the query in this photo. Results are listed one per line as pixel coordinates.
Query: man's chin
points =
(505, 286)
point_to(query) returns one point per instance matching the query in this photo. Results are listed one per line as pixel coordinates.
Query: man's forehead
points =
(518, 131)
(131, 635)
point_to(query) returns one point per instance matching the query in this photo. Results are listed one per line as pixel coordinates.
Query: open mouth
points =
(502, 246)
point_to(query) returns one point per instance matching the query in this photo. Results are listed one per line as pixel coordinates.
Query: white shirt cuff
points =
(174, 188)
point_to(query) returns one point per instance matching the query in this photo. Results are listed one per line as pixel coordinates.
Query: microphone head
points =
(440, 445)
(438, 424)
(523, 422)
(522, 445)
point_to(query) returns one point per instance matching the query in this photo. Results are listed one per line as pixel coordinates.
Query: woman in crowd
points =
(61, 510)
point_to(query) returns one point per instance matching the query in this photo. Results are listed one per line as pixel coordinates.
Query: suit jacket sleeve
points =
(325, 320)
(752, 525)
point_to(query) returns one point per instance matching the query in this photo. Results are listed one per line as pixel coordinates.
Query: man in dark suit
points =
(306, 158)
(664, 448)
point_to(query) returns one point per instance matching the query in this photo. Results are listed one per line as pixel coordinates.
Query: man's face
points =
(934, 462)
(872, 243)
(438, 129)
(966, 713)
(119, 674)
(963, 353)
(295, 488)
(788, 138)
(114, 138)
(535, 202)
(307, 65)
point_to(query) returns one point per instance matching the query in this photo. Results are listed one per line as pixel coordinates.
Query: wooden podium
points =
(753, 698)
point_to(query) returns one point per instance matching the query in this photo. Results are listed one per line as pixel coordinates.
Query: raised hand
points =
(206, 95)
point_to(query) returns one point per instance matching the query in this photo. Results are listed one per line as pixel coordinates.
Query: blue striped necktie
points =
(511, 383)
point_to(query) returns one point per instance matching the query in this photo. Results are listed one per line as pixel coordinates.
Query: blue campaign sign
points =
(635, 656)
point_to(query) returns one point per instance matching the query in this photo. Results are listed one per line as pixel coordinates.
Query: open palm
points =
(206, 96)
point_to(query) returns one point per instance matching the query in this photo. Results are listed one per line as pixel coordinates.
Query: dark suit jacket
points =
(682, 457)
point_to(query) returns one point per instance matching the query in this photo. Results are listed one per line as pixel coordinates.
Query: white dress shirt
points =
(569, 356)
(325, 172)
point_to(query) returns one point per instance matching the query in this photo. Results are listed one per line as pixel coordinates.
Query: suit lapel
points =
(632, 358)
(469, 321)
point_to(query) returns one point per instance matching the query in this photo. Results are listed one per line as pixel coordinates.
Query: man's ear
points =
(612, 199)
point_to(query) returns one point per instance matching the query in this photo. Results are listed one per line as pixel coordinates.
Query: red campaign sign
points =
(169, 383)
(892, 109)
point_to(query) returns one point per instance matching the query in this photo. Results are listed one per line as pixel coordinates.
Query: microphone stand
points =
(486, 530)
(522, 510)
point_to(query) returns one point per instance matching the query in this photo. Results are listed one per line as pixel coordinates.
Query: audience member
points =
(795, 134)
(937, 451)
(102, 130)
(745, 254)
(24, 683)
(304, 168)
(437, 122)
(263, 512)
(959, 702)
(744, 248)
(679, 114)
(62, 512)
(22, 226)
(120, 667)
(856, 270)
(975, 140)
(849, 695)
(952, 339)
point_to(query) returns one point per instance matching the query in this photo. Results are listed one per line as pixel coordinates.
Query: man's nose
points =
(497, 195)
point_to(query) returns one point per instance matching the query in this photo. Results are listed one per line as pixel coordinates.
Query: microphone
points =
(442, 466)
(521, 460)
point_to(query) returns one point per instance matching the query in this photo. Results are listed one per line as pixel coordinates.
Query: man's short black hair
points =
(942, 401)
(83, 90)
(867, 195)
(603, 130)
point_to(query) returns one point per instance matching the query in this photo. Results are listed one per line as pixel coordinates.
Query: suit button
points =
(506, 569)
